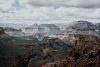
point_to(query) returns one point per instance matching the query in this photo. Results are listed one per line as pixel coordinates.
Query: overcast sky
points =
(49, 11)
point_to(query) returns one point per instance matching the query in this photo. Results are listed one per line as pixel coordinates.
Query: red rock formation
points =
(89, 49)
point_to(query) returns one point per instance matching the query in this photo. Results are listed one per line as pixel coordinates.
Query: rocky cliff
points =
(1, 31)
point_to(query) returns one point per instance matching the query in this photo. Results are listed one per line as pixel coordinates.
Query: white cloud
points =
(51, 10)
(45, 13)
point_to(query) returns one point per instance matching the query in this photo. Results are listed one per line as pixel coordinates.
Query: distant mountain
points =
(39, 30)
(33, 29)
(13, 32)
(14, 39)
(18, 26)
(83, 27)
(44, 28)
(11, 29)
(51, 28)
(63, 26)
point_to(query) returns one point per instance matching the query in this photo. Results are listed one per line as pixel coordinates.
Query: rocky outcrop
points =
(86, 53)
(1, 31)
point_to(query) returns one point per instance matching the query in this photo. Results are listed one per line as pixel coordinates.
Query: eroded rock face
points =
(1, 31)
(87, 48)
(85, 53)
(88, 41)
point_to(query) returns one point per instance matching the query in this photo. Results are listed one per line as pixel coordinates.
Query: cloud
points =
(66, 3)
(49, 10)
(45, 13)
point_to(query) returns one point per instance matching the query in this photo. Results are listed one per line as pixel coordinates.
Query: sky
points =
(49, 11)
